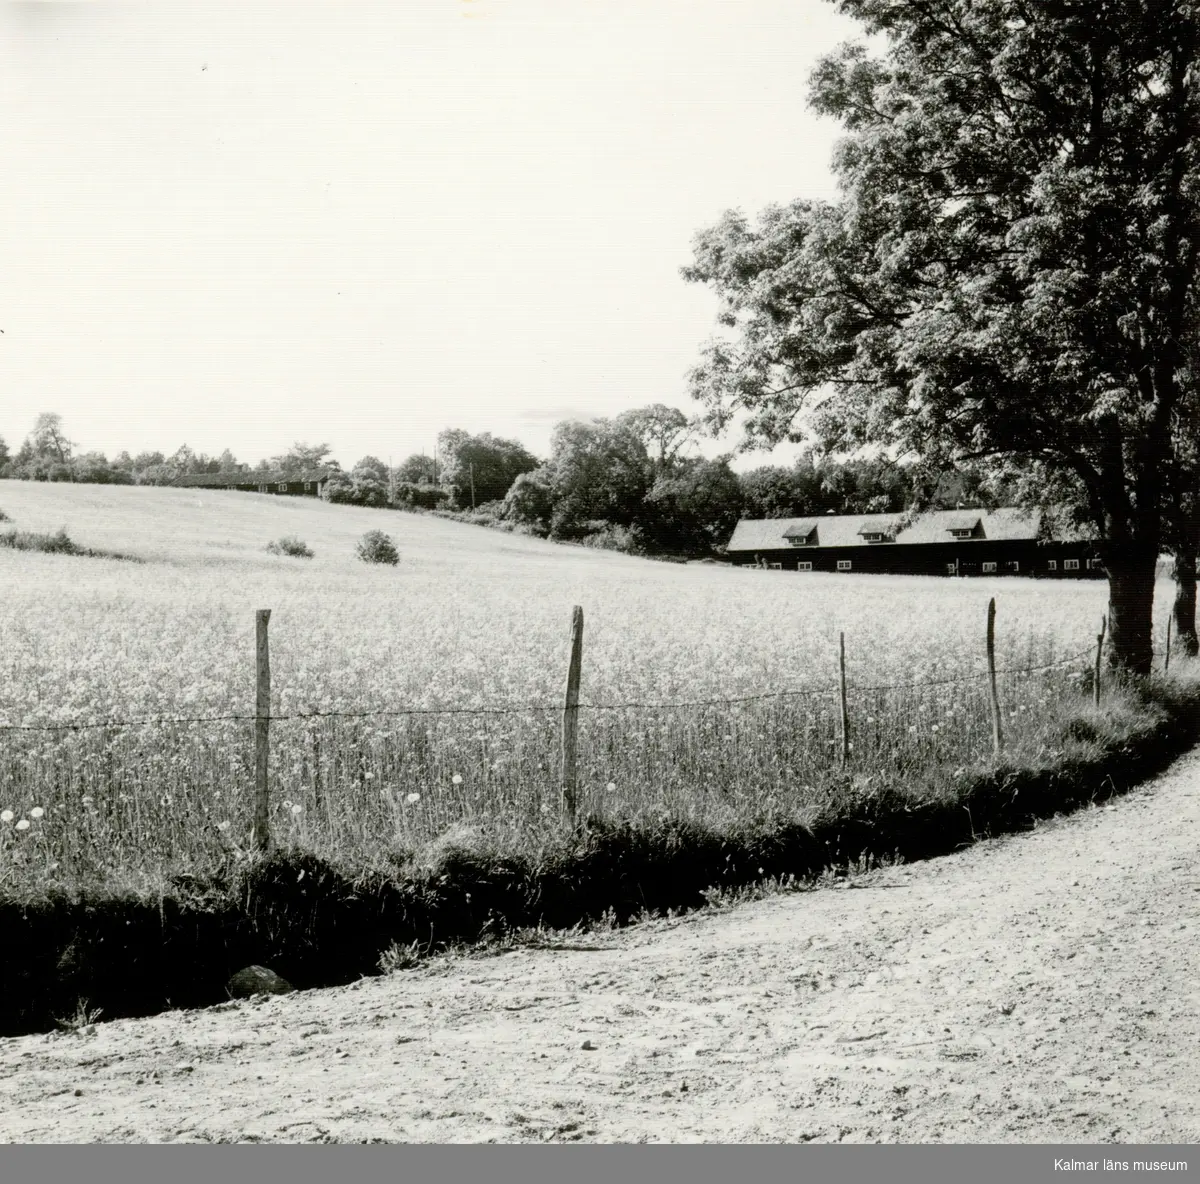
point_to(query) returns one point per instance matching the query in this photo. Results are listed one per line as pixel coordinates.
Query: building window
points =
(1070, 565)
(804, 567)
(843, 564)
(873, 536)
(777, 567)
(308, 487)
(1053, 565)
(988, 567)
(262, 489)
(1013, 565)
(963, 533)
(1095, 564)
(952, 569)
(282, 487)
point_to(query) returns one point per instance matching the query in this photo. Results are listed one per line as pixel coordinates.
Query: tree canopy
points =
(1010, 271)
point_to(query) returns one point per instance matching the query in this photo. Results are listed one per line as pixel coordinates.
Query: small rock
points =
(587, 1044)
(257, 980)
(79, 1093)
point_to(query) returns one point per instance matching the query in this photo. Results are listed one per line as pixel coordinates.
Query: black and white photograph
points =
(603, 572)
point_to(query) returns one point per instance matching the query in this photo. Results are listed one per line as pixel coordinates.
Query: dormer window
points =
(873, 536)
(960, 532)
(803, 534)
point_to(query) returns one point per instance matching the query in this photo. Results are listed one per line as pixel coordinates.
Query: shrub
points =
(290, 545)
(25, 540)
(377, 547)
(4, 517)
(420, 497)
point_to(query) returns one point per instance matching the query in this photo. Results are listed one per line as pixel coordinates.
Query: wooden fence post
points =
(262, 731)
(1167, 654)
(570, 720)
(997, 730)
(842, 690)
(1099, 653)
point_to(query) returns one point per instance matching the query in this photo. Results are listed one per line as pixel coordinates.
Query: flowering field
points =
(465, 643)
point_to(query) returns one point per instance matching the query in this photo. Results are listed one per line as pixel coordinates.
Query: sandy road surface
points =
(1044, 987)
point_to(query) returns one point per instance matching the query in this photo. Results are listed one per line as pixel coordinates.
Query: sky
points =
(242, 225)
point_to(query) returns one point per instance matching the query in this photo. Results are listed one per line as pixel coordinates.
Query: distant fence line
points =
(570, 708)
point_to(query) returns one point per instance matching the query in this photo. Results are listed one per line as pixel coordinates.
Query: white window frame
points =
(776, 567)
(1095, 564)
(873, 536)
(308, 487)
(1014, 565)
(963, 534)
(1052, 565)
(282, 486)
(952, 569)
(804, 566)
(1070, 565)
(843, 564)
(264, 489)
(988, 568)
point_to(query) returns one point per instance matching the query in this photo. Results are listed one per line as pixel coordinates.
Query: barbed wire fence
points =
(367, 768)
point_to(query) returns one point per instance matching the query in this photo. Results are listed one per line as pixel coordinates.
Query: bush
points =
(420, 497)
(376, 547)
(290, 545)
(4, 517)
(55, 544)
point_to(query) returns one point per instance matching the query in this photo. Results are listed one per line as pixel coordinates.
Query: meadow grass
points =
(465, 642)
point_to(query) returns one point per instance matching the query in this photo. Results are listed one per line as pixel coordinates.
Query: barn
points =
(1006, 541)
(263, 481)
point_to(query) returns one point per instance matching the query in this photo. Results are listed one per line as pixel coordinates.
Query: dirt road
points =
(1040, 988)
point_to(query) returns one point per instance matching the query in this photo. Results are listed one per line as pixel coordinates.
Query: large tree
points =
(480, 468)
(1009, 270)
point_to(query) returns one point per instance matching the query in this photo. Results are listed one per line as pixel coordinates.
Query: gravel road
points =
(1037, 988)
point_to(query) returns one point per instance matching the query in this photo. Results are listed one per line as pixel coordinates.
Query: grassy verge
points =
(321, 921)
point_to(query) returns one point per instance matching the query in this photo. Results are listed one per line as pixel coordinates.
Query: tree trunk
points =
(1130, 610)
(1185, 604)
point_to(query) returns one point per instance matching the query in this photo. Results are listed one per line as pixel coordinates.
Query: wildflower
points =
(23, 824)
(457, 779)
(223, 824)
(286, 803)
(611, 787)
(36, 812)
(6, 815)
(413, 799)
(936, 728)
(370, 776)
(297, 810)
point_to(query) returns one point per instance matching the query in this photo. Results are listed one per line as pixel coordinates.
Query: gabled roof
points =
(248, 477)
(846, 530)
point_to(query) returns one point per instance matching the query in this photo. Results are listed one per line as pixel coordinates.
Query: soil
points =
(1037, 988)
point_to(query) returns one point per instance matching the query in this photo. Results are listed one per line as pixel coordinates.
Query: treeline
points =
(631, 483)
(48, 455)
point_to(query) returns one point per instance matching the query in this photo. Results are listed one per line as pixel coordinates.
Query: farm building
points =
(270, 481)
(941, 542)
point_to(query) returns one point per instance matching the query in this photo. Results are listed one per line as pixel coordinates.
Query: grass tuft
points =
(290, 545)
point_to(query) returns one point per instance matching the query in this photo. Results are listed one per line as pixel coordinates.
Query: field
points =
(465, 643)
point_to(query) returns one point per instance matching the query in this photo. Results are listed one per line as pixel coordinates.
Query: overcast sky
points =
(240, 225)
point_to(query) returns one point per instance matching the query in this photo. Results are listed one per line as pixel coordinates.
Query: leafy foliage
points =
(377, 547)
(290, 545)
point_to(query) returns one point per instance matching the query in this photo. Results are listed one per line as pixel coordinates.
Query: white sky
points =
(240, 225)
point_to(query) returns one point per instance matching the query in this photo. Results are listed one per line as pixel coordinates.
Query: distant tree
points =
(93, 468)
(338, 489)
(4, 458)
(530, 500)
(228, 463)
(599, 471)
(484, 465)
(418, 469)
(369, 479)
(49, 438)
(694, 507)
(302, 458)
(664, 432)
